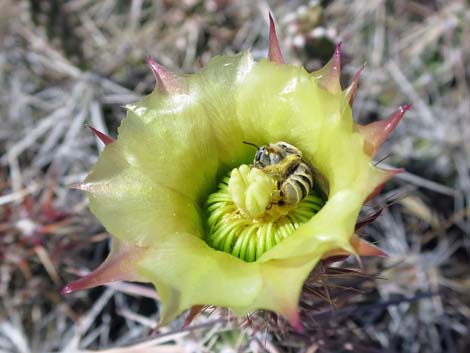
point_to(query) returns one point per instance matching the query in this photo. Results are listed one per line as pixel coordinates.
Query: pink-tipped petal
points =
(76, 186)
(81, 186)
(329, 75)
(388, 174)
(166, 80)
(352, 89)
(103, 137)
(377, 132)
(294, 320)
(120, 265)
(66, 290)
(364, 248)
(274, 50)
(360, 248)
(195, 310)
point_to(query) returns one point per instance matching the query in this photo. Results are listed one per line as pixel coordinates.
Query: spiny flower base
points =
(232, 227)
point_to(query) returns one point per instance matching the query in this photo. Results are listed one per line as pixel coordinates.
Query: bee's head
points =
(268, 155)
(272, 154)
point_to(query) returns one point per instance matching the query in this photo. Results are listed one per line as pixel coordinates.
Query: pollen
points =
(243, 218)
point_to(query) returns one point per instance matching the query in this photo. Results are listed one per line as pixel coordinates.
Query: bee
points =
(295, 176)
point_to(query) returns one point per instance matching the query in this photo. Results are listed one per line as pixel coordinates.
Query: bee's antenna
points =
(250, 143)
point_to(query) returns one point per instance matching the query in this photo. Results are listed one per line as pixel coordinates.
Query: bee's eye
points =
(266, 156)
(260, 155)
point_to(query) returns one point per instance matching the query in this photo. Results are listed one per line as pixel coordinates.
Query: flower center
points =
(248, 214)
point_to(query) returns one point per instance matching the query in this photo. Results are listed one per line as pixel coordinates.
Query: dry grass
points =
(64, 64)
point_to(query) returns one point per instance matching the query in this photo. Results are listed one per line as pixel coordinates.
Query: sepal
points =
(383, 176)
(120, 265)
(274, 50)
(329, 75)
(359, 247)
(103, 137)
(166, 80)
(366, 249)
(350, 92)
(377, 132)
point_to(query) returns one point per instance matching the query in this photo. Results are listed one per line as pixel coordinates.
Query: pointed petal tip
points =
(297, 325)
(103, 137)
(390, 173)
(359, 72)
(166, 80)
(193, 312)
(380, 253)
(81, 186)
(398, 171)
(405, 107)
(386, 176)
(392, 121)
(150, 61)
(329, 75)
(66, 290)
(76, 186)
(271, 19)
(339, 48)
(120, 265)
(79, 284)
(364, 248)
(293, 317)
(274, 50)
(154, 66)
(337, 56)
(352, 89)
(377, 132)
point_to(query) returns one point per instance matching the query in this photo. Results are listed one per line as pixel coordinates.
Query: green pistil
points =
(242, 220)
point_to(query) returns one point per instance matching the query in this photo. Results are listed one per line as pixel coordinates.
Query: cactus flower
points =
(189, 211)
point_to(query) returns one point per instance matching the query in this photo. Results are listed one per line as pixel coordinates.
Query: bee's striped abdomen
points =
(298, 185)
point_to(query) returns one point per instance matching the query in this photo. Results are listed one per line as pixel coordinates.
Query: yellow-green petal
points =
(149, 187)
